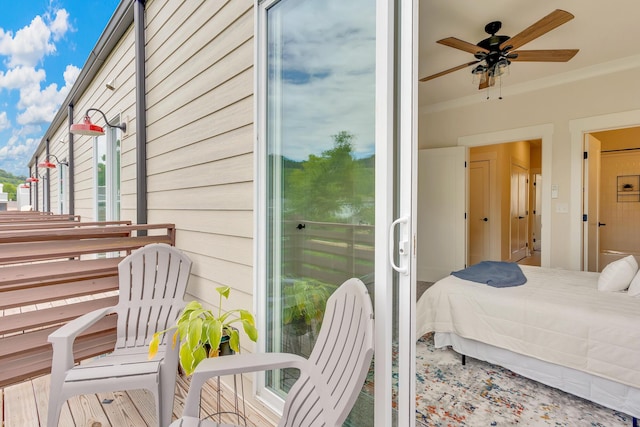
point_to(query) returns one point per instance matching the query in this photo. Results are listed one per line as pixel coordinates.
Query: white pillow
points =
(617, 275)
(634, 287)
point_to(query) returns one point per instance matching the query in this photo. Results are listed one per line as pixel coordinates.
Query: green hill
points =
(10, 182)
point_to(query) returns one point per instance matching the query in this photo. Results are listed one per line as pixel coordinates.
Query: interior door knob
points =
(485, 219)
(601, 224)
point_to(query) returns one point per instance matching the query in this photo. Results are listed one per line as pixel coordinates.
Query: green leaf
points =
(224, 291)
(193, 305)
(215, 334)
(186, 358)
(250, 330)
(198, 356)
(196, 313)
(195, 332)
(246, 316)
(234, 340)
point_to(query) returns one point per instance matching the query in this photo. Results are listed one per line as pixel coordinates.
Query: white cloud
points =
(21, 77)
(328, 76)
(41, 105)
(32, 43)
(60, 24)
(25, 51)
(5, 123)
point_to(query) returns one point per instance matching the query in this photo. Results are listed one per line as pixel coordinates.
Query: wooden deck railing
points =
(56, 265)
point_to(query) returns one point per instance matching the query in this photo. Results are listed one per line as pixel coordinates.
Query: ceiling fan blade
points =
(450, 70)
(543, 26)
(462, 45)
(552, 55)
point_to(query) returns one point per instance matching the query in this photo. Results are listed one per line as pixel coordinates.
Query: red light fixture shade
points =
(24, 186)
(32, 179)
(47, 164)
(86, 128)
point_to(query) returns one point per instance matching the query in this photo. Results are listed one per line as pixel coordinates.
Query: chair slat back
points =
(152, 282)
(339, 361)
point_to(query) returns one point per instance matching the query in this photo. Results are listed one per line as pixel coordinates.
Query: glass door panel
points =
(320, 169)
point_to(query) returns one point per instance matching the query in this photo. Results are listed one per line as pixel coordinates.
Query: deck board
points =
(26, 404)
(120, 409)
(87, 411)
(20, 406)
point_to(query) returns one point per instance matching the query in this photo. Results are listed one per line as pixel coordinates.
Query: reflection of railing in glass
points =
(327, 252)
(319, 256)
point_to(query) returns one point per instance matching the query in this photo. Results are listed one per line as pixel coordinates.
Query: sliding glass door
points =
(328, 160)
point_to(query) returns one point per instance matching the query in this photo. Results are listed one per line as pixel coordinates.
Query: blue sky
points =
(43, 46)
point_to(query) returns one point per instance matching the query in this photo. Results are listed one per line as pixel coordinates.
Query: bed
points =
(557, 328)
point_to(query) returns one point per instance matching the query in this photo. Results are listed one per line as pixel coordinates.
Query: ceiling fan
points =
(496, 52)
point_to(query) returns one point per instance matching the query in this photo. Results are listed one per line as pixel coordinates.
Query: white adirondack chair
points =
(330, 379)
(152, 282)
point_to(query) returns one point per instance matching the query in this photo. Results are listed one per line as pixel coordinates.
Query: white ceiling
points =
(603, 30)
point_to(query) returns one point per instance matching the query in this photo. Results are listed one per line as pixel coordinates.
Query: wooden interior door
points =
(519, 212)
(479, 190)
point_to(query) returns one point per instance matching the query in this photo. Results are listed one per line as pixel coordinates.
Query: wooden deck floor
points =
(25, 405)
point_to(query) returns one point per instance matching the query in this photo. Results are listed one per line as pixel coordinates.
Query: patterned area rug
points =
(481, 394)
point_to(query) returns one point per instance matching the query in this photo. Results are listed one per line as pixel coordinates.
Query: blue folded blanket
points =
(498, 274)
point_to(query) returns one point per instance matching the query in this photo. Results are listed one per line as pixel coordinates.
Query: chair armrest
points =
(236, 364)
(249, 362)
(75, 327)
(62, 339)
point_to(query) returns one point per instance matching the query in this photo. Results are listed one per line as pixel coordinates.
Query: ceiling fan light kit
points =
(494, 54)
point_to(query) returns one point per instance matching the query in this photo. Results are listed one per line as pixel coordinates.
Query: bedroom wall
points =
(556, 105)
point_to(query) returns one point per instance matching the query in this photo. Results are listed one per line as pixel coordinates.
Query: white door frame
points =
(545, 133)
(387, 175)
(578, 128)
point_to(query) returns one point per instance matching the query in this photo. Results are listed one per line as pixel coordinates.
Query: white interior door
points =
(442, 211)
(591, 202)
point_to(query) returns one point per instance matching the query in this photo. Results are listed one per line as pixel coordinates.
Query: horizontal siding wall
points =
(200, 139)
(119, 66)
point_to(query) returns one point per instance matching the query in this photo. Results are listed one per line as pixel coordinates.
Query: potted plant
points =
(201, 332)
(304, 303)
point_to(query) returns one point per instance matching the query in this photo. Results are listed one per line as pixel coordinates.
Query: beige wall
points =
(557, 105)
(200, 139)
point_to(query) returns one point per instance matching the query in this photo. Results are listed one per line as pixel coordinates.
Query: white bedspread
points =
(558, 316)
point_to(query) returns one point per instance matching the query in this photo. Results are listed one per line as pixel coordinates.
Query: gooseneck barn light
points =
(49, 165)
(88, 128)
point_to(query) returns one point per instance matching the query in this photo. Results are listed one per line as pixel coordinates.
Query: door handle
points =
(403, 245)
(520, 217)
(601, 224)
(485, 219)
